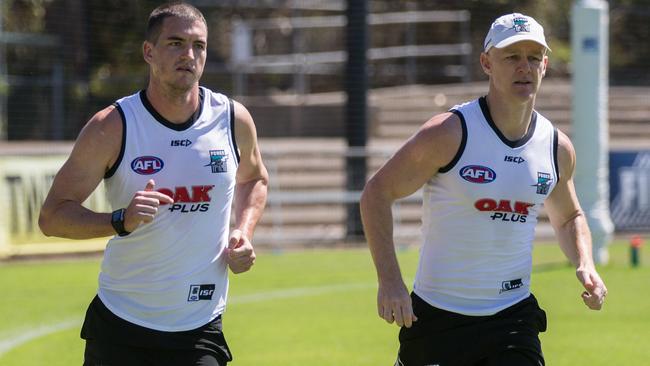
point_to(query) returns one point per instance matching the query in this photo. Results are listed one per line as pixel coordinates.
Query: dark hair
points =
(173, 9)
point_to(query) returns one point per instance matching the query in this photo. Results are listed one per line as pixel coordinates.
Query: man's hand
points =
(240, 255)
(394, 304)
(144, 206)
(595, 293)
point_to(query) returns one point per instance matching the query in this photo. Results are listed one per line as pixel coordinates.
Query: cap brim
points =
(519, 38)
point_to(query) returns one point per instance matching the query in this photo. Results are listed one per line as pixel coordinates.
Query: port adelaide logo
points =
(147, 165)
(478, 174)
(521, 25)
(218, 159)
(544, 181)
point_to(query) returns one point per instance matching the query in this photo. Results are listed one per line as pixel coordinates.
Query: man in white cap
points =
(487, 167)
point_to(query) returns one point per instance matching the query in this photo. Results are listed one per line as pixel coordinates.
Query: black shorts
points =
(113, 341)
(444, 338)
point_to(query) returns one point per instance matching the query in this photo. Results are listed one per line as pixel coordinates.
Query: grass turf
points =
(317, 307)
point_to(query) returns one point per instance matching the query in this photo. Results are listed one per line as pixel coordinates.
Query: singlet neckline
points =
(162, 120)
(511, 143)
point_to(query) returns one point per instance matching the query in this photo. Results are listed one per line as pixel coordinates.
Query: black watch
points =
(117, 220)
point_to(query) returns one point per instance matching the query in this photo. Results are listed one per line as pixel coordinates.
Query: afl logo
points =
(478, 174)
(147, 165)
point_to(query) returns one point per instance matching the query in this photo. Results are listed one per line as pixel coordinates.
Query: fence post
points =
(356, 113)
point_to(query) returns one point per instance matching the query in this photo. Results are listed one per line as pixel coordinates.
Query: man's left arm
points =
(571, 229)
(250, 192)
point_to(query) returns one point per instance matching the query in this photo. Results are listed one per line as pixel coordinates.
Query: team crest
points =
(544, 181)
(218, 159)
(521, 25)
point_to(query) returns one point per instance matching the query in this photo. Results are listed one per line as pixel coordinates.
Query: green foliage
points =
(317, 307)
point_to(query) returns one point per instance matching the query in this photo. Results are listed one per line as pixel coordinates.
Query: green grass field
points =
(317, 307)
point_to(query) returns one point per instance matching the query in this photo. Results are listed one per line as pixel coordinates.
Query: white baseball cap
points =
(511, 28)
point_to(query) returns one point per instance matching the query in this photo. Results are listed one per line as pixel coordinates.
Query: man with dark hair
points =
(173, 157)
(487, 167)
(174, 9)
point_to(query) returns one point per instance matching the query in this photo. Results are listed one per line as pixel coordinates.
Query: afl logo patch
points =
(478, 174)
(147, 165)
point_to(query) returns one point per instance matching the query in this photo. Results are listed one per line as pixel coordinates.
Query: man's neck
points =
(174, 107)
(512, 118)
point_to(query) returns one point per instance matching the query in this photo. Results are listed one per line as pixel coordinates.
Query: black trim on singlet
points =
(555, 147)
(516, 143)
(174, 126)
(109, 173)
(232, 130)
(463, 142)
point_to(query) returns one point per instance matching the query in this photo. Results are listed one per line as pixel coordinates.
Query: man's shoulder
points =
(107, 123)
(129, 98)
(210, 94)
(442, 124)
(474, 103)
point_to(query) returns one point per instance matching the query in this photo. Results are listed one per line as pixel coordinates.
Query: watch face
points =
(117, 221)
(117, 216)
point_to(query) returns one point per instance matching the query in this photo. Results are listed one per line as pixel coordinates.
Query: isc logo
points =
(185, 143)
(200, 292)
(514, 159)
(478, 174)
(147, 165)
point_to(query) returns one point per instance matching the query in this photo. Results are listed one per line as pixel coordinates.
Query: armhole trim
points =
(461, 148)
(233, 140)
(555, 148)
(116, 165)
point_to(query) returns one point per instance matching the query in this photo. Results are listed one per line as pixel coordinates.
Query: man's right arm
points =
(431, 148)
(94, 152)
(96, 148)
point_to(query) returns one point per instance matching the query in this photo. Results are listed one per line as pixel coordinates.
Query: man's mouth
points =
(185, 68)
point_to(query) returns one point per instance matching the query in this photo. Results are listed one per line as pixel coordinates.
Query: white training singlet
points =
(479, 215)
(170, 274)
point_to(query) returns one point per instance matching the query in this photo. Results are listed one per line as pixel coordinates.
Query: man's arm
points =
(95, 150)
(432, 147)
(571, 227)
(250, 192)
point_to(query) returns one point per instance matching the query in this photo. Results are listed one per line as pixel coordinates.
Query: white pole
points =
(590, 135)
(241, 50)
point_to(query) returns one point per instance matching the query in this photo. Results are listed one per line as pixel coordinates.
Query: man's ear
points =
(545, 65)
(147, 49)
(485, 63)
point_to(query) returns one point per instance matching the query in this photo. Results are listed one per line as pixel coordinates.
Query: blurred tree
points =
(100, 45)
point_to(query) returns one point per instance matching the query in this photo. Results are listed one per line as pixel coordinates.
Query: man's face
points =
(516, 70)
(178, 57)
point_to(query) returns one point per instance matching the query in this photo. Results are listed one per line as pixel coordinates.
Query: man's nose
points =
(188, 52)
(525, 65)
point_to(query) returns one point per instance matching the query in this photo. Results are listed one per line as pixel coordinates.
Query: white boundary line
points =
(11, 341)
(15, 340)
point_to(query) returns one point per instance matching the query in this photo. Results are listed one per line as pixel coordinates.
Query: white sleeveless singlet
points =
(479, 215)
(170, 274)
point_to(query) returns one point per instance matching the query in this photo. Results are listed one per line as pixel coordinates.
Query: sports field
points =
(317, 307)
